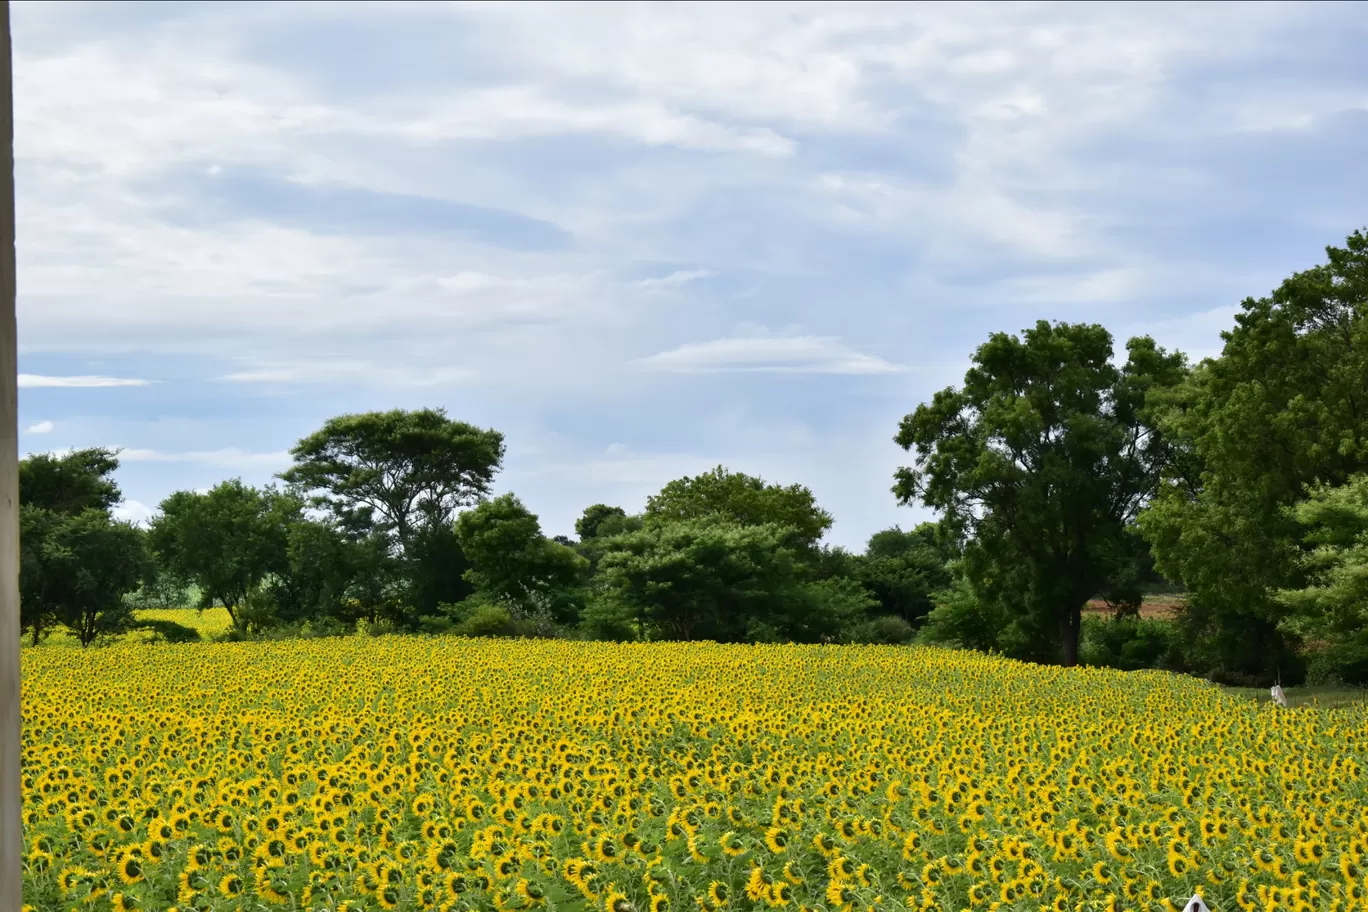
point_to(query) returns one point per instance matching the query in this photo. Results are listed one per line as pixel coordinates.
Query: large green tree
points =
(91, 562)
(513, 562)
(40, 607)
(711, 578)
(402, 470)
(1043, 457)
(744, 500)
(53, 491)
(1284, 408)
(70, 483)
(903, 570)
(1331, 609)
(226, 542)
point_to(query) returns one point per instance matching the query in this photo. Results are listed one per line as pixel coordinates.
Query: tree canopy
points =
(225, 541)
(1331, 609)
(399, 469)
(76, 562)
(1045, 456)
(742, 499)
(1284, 408)
(70, 483)
(512, 560)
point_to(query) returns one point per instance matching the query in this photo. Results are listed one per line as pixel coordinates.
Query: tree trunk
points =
(1072, 628)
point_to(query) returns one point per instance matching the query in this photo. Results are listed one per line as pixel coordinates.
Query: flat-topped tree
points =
(70, 483)
(742, 499)
(402, 470)
(1044, 457)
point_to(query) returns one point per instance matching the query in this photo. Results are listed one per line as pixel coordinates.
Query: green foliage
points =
(160, 590)
(710, 578)
(887, 631)
(74, 560)
(608, 616)
(486, 620)
(39, 605)
(510, 560)
(825, 611)
(1284, 407)
(258, 612)
(1131, 643)
(68, 484)
(967, 618)
(434, 569)
(1338, 664)
(226, 542)
(484, 616)
(743, 500)
(904, 569)
(1331, 609)
(1044, 457)
(600, 519)
(91, 563)
(398, 470)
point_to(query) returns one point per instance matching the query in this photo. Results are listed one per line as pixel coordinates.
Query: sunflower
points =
(779, 894)
(616, 901)
(718, 894)
(839, 895)
(530, 893)
(130, 868)
(757, 884)
(605, 849)
(776, 839)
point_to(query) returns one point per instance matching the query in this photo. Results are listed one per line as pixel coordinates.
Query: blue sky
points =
(640, 240)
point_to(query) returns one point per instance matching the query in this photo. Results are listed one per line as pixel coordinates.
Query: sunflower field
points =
(437, 773)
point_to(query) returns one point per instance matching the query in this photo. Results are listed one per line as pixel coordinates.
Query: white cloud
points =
(228, 458)
(676, 279)
(524, 111)
(36, 381)
(780, 354)
(352, 372)
(914, 175)
(133, 511)
(42, 427)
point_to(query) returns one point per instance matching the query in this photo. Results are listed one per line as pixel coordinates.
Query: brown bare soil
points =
(1158, 606)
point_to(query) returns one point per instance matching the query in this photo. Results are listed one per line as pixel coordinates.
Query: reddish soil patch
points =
(1152, 607)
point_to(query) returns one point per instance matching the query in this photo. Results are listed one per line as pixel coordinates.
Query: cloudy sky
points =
(640, 240)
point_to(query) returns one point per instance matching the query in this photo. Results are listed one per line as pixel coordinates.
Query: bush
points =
(965, 619)
(607, 618)
(486, 621)
(1340, 664)
(890, 630)
(1130, 643)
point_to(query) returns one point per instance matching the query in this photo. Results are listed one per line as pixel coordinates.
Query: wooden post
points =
(11, 801)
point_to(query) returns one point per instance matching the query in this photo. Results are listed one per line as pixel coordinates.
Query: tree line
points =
(1060, 474)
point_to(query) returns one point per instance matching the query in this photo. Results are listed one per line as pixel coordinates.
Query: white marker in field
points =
(1196, 905)
(1278, 697)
